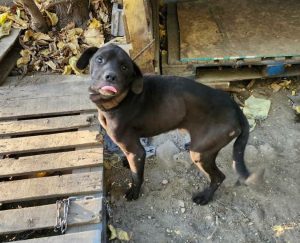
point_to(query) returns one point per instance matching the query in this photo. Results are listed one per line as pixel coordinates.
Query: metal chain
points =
(108, 208)
(62, 210)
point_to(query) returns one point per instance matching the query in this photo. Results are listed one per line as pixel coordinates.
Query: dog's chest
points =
(102, 120)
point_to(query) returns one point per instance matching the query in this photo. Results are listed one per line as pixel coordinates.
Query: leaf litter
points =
(58, 50)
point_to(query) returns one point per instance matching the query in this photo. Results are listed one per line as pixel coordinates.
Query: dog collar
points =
(112, 103)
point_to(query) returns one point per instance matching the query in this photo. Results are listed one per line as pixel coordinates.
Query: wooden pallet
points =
(48, 125)
(204, 34)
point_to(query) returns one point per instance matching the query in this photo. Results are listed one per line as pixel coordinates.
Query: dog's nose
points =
(110, 77)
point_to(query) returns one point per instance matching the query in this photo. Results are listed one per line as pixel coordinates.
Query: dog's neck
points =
(106, 105)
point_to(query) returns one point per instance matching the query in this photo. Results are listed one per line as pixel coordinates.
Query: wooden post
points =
(138, 31)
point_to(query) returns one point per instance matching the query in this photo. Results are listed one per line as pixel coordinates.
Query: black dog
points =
(132, 105)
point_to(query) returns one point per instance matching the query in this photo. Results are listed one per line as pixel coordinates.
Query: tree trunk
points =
(67, 11)
(38, 23)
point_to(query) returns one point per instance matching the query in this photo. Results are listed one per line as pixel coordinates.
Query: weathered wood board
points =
(92, 236)
(139, 33)
(232, 29)
(41, 217)
(50, 187)
(173, 34)
(55, 95)
(7, 42)
(77, 139)
(51, 124)
(84, 158)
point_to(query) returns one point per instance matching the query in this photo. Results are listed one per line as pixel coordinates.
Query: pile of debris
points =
(57, 50)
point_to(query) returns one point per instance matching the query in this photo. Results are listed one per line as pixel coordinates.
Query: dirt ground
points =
(269, 212)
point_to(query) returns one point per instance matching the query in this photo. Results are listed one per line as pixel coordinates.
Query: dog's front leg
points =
(135, 154)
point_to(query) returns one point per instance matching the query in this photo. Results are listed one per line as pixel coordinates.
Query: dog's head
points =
(112, 72)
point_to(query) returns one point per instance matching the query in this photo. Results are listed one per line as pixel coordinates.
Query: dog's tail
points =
(238, 154)
(239, 148)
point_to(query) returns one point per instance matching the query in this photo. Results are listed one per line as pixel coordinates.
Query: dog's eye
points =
(124, 68)
(99, 59)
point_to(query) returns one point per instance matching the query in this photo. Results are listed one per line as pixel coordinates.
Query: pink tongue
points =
(109, 88)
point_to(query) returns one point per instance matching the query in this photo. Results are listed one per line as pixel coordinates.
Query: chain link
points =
(108, 208)
(62, 210)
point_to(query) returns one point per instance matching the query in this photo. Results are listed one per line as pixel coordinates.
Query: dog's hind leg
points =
(206, 162)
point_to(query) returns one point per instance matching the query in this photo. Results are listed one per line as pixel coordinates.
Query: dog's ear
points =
(84, 59)
(137, 83)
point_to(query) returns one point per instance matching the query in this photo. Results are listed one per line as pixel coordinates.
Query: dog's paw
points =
(202, 198)
(132, 194)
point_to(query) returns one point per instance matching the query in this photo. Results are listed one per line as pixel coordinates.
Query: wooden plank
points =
(45, 95)
(49, 187)
(155, 17)
(10, 61)
(7, 42)
(238, 29)
(39, 79)
(173, 34)
(41, 217)
(139, 32)
(84, 158)
(179, 70)
(228, 75)
(45, 86)
(195, 20)
(49, 142)
(93, 236)
(13, 109)
(54, 124)
(88, 227)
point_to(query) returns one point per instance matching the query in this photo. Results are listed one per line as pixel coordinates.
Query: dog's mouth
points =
(108, 90)
(104, 92)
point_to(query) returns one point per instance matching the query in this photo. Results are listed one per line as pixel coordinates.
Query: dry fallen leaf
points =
(24, 59)
(37, 65)
(41, 174)
(276, 87)
(18, 22)
(72, 63)
(28, 34)
(3, 18)
(117, 233)
(67, 70)
(52, 17)
(74, 33)
(5, 29)
(285, 84)
(280, 229)
(94, 37)
(45, 52)
(94, 24)
(4, 9)
(51, 64)
(41, 36)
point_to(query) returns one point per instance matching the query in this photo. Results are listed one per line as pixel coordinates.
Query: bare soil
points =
(269, 212)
